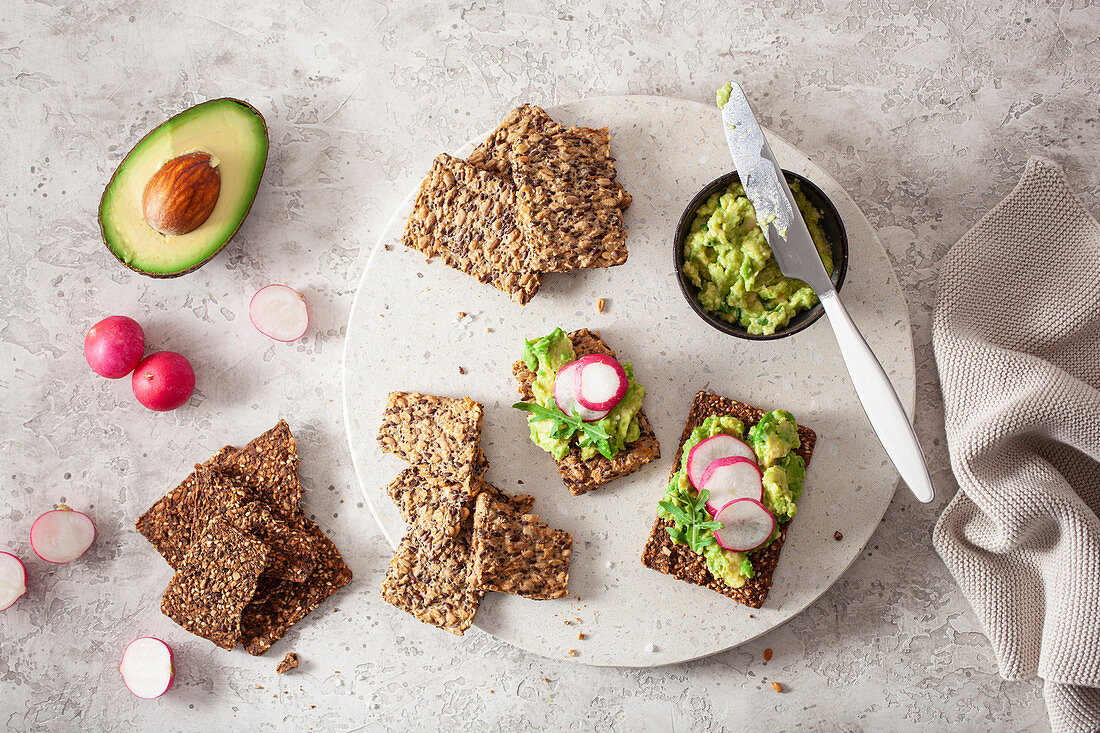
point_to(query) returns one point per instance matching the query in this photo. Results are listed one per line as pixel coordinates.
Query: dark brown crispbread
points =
(291, 551)
(518, 553)
(665, 556)
(581, 476)
(494, 155)
(279, 604)
(466, 217)
(568, 203)
(440, 432)
(215, 582)
(429, 580)
(268, 468)
(167, 524)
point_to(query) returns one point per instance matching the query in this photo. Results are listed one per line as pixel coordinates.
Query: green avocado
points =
(235, 136)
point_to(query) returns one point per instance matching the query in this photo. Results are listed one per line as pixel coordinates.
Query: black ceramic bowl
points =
(830, 223)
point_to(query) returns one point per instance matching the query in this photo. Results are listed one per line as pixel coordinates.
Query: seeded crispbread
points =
(581, 476)
(568, 203)
(429, 580)
(215, 582)
(440, 432)
(518, 553)
(268, 467)
(466, 217)
(679, 561)
(279, 604)
(494, 155)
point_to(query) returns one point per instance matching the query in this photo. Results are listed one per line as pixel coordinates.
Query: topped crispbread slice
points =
(466, 217)
(440, 432)
(518, 553)
(581, 476)
(568, 203)
(679, 561)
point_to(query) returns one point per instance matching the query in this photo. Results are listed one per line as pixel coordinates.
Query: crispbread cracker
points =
(466, 217)
(581, 476)
(518, 553)
(268, 467)
(568, 203)
(440, 432)
(215, 582)
(429, 580)
(679, 561)
(494, 155)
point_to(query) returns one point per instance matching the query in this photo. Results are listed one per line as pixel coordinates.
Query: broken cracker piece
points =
(440, 432)
(290, 661)
(518, 553)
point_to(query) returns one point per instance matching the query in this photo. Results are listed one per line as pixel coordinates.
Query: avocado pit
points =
(182, 194)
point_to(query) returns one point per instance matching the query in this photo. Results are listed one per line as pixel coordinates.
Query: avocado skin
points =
(248, 208)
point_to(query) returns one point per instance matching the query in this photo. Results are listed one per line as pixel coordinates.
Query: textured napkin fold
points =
(1016, 333)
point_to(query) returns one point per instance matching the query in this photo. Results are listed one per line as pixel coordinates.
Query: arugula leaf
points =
(693, 526)
(566, 425)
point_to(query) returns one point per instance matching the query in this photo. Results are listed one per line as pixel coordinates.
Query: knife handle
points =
(880, 400)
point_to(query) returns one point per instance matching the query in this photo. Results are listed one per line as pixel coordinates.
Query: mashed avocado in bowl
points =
(726, 269)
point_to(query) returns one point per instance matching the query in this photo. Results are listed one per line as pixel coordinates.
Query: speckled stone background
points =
(924, 111)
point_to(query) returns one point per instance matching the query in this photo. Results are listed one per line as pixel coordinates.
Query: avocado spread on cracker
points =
(773, 439)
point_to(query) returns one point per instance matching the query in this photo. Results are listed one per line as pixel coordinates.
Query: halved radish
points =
(732, 478)
(565, 395)
(13, 580)
(62, 535)
(746, 524)
(600, 382)
(147, 667)
(279, 312)
(707, 451)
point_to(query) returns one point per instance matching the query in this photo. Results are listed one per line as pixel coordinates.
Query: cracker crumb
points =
(751, 616)
(386, 247)
(777, 687)
(290, 661)
(461, 315)
(580, 636)
(838, 536)
(462, 370)
(599, 305)
(768, 655)
(572, 652)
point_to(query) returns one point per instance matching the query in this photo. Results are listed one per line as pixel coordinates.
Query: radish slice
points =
(746, 524)
(62, 535)
(279, 312)
(13, 580)
(565, 394)
(707, 451)
(600, 382)
(732, 478)
(147, 667)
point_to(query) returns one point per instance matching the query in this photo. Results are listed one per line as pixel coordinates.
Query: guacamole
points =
(545, 356)
(773, 439)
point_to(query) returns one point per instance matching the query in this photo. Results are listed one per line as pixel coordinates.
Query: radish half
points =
(707, 451)
(62, 535)
(746, 524)
(565, 395)
(147, 667)
(279, 312)
(13, 580)
(732, 478)
(599, 382)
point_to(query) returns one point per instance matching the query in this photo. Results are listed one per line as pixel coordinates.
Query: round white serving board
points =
(404, 334)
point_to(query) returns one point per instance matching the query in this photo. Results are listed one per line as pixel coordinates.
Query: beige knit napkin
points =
(1017, 338)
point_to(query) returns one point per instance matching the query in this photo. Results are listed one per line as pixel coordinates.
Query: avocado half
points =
(235, 134)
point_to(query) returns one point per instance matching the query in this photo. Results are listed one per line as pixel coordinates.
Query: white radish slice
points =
(565, 395)
(732, 478)
(279, 312)
(746, 524)
(707, 451)
(601, 382)
(13, 580)
(62, 535)
(147, 667)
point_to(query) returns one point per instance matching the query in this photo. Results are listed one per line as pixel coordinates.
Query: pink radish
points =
(565, 394)
(163, 381)
(707, 451)
(114, 346)
(732, 478)
(13, 580)
(746, 524)
(279, 312)
(62, 535)
(599, 382)
(147, 667)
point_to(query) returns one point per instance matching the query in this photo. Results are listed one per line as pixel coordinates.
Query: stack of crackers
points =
(464, 536)
(249, 564)
(535, 197)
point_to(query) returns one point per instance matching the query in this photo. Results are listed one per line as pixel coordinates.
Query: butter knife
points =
(797, 257)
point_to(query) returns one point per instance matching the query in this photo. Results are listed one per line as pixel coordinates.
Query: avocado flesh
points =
(235, 135)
